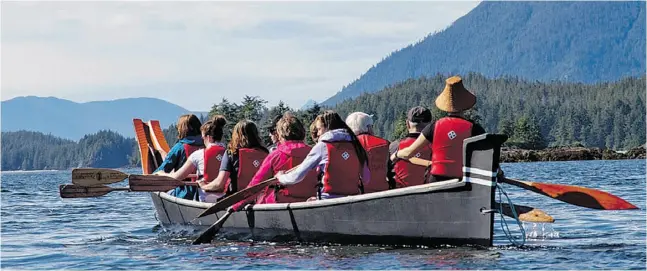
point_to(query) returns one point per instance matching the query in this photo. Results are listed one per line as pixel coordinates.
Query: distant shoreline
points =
(569, 154)
(54, 170)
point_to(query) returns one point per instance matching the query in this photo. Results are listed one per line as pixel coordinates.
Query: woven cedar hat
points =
(455, 98)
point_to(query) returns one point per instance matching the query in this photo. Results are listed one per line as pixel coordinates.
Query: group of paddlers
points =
(347, 158)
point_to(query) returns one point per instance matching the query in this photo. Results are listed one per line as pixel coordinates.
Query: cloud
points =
(195, 53)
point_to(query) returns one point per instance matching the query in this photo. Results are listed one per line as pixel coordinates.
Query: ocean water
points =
(119, 231)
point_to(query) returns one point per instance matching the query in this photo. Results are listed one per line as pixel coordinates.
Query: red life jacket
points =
(188, 150)
(212, 159)
(342, 171)
(302, 190)
(249, 161)
(406, 173)
(447, 146)
(377, 150)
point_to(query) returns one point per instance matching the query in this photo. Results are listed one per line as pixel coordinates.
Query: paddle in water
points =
(576, 195)
(207, 235)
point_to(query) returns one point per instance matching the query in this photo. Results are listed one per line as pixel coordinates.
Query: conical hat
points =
(455, 98)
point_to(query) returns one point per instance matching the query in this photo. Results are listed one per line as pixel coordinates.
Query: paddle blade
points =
(526, 214)
(77, 191)
(209, 233)
(576, 195)
(157, 136)
(238, 196)
(154, 183)
(96, 176)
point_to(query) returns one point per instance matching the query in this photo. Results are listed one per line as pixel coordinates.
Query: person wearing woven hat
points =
(377, 149)
(446, 135)
(402, 173)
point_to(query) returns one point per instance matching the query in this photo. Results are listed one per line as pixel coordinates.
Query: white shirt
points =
(197, 159)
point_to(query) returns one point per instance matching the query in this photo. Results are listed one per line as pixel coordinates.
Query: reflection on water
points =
(119, 230)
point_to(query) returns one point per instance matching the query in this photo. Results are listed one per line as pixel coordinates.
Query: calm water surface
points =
(119, 231)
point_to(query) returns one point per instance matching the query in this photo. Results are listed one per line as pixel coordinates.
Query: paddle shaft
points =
(207, 235)
(240, 196)
(78, 191)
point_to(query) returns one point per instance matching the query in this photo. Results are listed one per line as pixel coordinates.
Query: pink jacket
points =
(267, 171)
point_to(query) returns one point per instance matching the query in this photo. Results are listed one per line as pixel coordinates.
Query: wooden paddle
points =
(78, 191)
(137, 183)
(576, 195)
(96, 176)
(238, 196)
(154, 183)
(525, 213)
(207, 235)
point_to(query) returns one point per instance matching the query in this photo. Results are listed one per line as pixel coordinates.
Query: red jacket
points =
(377, 150)
(447, 146)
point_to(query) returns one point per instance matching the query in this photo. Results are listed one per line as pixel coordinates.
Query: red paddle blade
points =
(582, 196)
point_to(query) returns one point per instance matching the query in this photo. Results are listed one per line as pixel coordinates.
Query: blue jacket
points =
(177, 156)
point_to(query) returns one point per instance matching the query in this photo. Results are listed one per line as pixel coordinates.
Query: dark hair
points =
(188, 125)
(214, 127)
(245, 135)
(290, 127)
(331, 121)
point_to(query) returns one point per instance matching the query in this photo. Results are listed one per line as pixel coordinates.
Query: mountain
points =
(309, 104)
(71, 120)
(546, 41)
(610, 114)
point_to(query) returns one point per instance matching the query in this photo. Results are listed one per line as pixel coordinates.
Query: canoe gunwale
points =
(419, 189)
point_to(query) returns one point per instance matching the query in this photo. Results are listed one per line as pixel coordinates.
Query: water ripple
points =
(119, 231)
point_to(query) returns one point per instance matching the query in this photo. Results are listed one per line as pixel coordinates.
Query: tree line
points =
(534, 115)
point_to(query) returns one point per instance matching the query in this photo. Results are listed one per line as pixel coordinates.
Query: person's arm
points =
(407, 152)
(218, 184)
(181, 173)
(171, 159)
(309, 163)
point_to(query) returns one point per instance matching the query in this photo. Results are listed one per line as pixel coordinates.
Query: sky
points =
(194, 54)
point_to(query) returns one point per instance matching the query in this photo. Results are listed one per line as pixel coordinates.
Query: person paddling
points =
(205, 162)
(241, 161)
(402, 173)
(290, 152)
(377, 149)
(446, 135)
(338, 156)
(188, 128)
